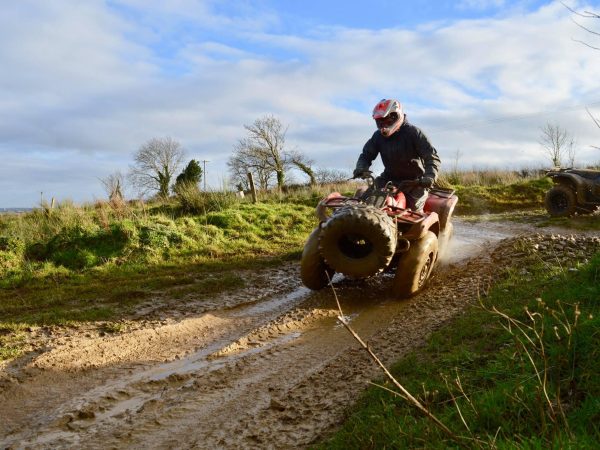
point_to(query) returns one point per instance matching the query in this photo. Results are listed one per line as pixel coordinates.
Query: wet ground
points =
(266, 367)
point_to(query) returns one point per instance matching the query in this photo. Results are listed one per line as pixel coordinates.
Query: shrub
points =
(158, 236)
(192, 200)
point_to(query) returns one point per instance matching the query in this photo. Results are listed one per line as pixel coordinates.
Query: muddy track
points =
(265, 367)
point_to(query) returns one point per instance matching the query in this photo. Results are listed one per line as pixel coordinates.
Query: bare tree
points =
(557, 143)
(571, 152)
(237, 174)
(326, 176)
(155, 164)
(262, 151)
(114, 184)
(585, 15)
(239, 166)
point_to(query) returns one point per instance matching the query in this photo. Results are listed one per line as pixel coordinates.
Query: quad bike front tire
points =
(358, 241)
(561, 201)
(313, 270)
(415, 266)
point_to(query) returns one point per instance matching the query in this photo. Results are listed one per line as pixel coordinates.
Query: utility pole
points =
(204, 172)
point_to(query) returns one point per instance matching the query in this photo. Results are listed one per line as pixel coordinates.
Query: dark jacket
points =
(406, 154)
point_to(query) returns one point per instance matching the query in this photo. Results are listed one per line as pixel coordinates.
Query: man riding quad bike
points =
(373, 231)
(395, 221)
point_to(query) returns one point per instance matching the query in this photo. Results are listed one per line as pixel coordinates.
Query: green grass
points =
(57, 247)
(521, 195)
(500, 396)
(583, 222)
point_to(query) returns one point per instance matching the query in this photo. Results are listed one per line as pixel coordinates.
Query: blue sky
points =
(84, 84)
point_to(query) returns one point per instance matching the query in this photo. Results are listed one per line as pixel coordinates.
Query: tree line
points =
(262, 152)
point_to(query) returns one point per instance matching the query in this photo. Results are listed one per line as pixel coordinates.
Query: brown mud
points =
(266, 367)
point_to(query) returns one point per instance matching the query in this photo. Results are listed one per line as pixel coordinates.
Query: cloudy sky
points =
(84, 83)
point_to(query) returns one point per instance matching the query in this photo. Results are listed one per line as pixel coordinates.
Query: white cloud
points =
(88, 84)
(481, 4)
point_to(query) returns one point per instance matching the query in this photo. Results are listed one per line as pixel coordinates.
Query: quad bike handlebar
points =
(391, 186)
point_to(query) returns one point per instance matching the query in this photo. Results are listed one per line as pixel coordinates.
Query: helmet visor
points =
(387, 121)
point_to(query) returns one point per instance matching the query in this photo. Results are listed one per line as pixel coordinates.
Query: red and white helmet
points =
(388, 116)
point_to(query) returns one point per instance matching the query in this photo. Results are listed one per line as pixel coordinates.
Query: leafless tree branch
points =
(596, 121)
(586, 44)
(584, 15)
(585, 28)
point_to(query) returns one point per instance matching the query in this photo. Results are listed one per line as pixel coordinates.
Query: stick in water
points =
(406, 394)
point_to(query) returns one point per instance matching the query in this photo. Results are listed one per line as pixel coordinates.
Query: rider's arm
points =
(367, 156)
(431, 160)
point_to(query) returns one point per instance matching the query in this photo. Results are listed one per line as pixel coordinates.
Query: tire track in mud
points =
(273, 372)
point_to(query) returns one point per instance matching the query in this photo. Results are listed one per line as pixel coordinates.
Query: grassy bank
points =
(71, 240)
(520, 370)
(78, 264)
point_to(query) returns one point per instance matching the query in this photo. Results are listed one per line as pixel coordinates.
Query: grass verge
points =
(518, 371)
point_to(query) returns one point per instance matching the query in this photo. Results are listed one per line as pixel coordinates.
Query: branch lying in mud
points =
(405, 394)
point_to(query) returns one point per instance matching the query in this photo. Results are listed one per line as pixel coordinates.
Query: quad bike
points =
(373, 231)
(574, 190)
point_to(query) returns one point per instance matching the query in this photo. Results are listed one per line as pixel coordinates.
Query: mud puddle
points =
(267, 371)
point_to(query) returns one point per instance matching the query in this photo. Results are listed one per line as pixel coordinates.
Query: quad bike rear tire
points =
(561, 201)
(358, 241)
(313, 270)
(415, 266)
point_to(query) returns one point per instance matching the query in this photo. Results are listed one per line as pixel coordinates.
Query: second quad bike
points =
(373, 231)
(574, 190)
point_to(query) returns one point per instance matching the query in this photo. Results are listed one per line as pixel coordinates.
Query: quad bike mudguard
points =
(442, 202)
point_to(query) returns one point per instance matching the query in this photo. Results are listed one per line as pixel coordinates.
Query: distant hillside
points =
(14, 210)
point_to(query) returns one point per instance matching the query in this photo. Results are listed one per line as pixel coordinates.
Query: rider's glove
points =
(426, 182)
(360, 173)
